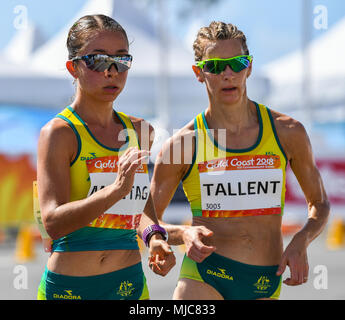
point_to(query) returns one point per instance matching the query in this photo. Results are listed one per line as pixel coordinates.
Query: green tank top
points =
(223, 182)
(94, 167)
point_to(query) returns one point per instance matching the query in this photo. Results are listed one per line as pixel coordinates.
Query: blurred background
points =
(298, 48)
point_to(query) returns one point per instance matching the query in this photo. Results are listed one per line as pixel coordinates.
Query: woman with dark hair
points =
(92, 176)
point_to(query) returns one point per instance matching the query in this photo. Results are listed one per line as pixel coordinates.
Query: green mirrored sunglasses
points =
(217, 66)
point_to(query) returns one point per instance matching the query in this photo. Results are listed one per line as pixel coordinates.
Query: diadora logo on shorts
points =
(263, 283)
(68, 296)
(221, 273)
(93, 156)
(126, 289)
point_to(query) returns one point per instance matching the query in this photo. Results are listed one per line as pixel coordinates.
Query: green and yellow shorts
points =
(124, 284)
(232, 279)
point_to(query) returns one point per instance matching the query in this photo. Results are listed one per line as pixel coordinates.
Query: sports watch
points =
(151, 230)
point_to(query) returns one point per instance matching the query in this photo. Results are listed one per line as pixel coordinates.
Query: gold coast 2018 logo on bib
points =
(262, 284)
(237, 186)
(126, 289)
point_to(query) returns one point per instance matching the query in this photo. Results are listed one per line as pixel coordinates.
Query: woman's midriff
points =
(89, 263)
(252, 240)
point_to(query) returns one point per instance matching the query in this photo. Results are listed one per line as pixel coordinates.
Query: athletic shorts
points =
(232, 279)
(124, 284)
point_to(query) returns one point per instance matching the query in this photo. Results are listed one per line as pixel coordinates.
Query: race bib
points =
(126, 213)
(238, 186)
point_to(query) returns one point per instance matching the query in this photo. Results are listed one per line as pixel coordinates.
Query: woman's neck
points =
(93, 111)
(233, 117)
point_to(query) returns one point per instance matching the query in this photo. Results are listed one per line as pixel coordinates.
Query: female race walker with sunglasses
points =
(233, 173)
(93, 182)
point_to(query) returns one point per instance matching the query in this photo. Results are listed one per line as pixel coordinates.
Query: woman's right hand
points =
(127, 165)
(195, 248)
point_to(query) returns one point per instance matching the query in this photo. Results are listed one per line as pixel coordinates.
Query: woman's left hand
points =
(162, 258)
(295, 256)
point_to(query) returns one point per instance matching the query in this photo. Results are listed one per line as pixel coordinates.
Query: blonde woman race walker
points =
(233, 158)
(93, 183)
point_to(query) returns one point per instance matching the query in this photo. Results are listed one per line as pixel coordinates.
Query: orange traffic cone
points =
(336, 234)
(25, 245)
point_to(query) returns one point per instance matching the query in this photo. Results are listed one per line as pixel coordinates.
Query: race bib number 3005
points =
(241, 186)
(126, 213)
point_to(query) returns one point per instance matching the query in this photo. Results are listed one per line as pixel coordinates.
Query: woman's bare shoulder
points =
(56, 128)
(291, 132)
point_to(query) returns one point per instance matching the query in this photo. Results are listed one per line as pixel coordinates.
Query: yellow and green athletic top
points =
(94, 167)
(224, 182)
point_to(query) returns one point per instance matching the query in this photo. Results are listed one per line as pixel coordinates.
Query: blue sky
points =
(273, 28)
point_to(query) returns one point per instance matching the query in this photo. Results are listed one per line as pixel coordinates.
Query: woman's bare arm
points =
(56, 149)
(297, 146)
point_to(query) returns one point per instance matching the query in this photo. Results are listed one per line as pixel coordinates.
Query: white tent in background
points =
(326, 52)
(42, 80)
(15, 56)
(327, 73)
(23, 44)
(8, 67)
(51, 57)
(25, 87)
(142, 92)
(325, 102)
(22, 86)
(144, 45)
